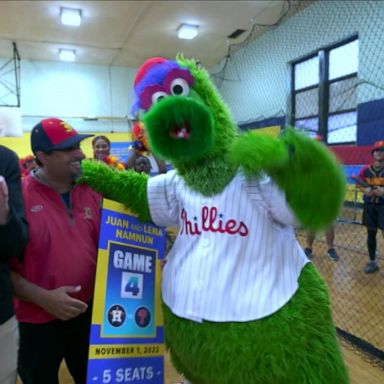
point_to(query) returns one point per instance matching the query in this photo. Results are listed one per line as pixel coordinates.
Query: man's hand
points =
(368, 191)
(4, 196)
(60, 304)
(378, 191)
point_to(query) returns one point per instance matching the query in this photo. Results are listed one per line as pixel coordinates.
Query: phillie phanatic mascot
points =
(242, 304)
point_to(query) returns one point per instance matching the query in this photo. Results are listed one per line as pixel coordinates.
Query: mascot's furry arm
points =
(308, 173)
(114, 185)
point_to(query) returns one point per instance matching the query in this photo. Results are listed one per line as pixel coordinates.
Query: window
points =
(324, 92)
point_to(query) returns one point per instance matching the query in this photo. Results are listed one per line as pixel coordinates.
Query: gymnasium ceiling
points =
(126, 33)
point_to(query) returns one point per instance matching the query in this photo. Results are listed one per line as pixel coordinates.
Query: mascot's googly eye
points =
(178, 82)
(157, 96)
(179, 87)
(151, 95)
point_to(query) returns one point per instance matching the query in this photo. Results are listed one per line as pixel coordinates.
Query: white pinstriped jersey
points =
(236, 257)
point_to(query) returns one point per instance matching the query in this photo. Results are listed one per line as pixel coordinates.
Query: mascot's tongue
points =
(182, 132)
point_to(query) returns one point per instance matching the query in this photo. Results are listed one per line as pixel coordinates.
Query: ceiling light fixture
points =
(67, 54)
(187, 31)
(71, 16)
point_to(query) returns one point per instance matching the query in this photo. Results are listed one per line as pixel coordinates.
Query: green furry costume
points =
(190, 126)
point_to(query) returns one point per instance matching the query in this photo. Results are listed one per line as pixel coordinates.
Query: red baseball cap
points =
(54, 134)
(378, 145)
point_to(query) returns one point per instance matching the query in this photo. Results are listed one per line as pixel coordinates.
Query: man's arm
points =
(13, 225)
(57, 302)
(378, 191)
(367, 189)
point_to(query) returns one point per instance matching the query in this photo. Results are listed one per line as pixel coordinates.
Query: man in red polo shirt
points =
(55, 282)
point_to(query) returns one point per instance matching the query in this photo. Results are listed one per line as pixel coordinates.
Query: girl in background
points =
(101, 147)
(102, 151)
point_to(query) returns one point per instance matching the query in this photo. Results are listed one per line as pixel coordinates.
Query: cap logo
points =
(66, 127)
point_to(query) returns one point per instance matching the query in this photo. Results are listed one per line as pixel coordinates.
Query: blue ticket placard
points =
(127, 340)
(130, 302)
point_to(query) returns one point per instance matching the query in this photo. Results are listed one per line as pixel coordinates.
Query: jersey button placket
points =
(198, 296)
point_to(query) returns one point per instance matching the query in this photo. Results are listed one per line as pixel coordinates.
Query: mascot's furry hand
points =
(112, 182)
(309, 174)
(242, 304)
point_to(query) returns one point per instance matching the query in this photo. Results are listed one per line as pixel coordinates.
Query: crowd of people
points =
(49, 230)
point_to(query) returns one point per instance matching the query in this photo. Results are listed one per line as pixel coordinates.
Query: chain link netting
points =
(352, 115)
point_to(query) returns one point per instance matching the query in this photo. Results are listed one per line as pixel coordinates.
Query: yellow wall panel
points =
(272, 130)
(21, 145)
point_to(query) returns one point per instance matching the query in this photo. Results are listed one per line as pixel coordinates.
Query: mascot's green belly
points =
(296, 345)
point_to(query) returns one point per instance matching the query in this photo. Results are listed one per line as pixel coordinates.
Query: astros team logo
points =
(116, 315)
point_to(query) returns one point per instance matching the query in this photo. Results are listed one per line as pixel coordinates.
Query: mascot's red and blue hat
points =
(154, 76)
